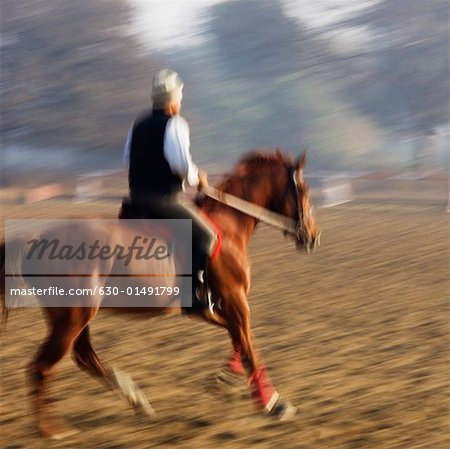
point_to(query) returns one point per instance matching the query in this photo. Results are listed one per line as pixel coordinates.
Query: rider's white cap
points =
(167, 86)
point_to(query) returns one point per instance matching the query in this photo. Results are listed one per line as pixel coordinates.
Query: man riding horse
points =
(263, 186)
(158, 151)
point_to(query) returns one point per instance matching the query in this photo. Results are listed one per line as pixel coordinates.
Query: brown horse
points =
(271, 180)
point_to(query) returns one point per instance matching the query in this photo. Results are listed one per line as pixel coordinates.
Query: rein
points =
(267, 216)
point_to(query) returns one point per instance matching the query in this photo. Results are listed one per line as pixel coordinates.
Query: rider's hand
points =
(202, 180)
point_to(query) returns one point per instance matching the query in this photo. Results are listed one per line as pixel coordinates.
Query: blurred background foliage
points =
(75, 74)
(71, 73)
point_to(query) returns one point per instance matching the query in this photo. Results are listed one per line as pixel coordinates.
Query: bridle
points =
(300, 226)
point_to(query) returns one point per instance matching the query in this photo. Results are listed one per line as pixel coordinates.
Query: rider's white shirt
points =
(176, 149)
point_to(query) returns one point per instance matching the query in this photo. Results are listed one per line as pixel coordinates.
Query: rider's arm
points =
(176, 150)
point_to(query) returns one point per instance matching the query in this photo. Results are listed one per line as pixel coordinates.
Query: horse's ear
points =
(301, 160)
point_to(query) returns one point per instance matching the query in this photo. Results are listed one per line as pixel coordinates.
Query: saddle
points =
(131, 211)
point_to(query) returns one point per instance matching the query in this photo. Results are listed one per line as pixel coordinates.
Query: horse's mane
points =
(259, 158)
(251, 164)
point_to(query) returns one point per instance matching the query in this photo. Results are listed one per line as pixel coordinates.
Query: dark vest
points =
(150, 173)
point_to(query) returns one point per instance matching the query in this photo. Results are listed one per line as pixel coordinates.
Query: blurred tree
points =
(242, 74)
(307, 88)
(268, 87)
(72, 74)
(258, 40)
(402, 81)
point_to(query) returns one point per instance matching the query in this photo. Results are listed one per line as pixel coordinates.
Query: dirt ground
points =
(356, 336)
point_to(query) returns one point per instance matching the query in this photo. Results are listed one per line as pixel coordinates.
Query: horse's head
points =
(273, 180)
(296, 205)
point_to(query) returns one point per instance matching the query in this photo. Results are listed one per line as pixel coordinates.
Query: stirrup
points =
(209, 300)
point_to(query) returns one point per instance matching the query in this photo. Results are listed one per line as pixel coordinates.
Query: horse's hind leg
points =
(87, 359)
(65, 324)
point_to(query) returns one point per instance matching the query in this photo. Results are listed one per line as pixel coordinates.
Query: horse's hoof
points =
(142, 406)
(133, 394)
(61, 435)
(228, 385)
(283, 411)
(57, 430)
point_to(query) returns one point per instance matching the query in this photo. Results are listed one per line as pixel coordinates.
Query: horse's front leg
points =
(234, 363)
(263, 391)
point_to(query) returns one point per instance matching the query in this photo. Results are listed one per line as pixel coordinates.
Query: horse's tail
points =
(2, 283)
(14, 261)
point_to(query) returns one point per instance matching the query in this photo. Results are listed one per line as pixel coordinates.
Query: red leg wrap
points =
(262, 389)
(235, 362)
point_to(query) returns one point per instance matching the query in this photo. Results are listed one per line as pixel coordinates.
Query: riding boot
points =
(200, 290)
